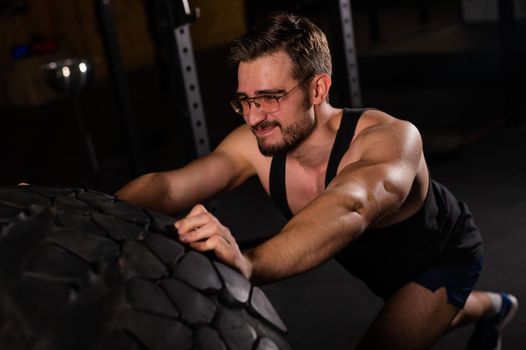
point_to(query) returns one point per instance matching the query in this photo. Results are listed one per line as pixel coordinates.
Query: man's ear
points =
(321, 85)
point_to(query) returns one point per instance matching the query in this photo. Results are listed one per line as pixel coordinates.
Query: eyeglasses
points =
(266, 103)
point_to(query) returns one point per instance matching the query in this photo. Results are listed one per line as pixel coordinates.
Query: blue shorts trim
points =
(459, 280)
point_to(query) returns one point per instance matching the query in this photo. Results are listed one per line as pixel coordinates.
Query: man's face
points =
(285, 128)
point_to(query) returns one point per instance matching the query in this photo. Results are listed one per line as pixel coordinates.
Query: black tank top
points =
(441, 232)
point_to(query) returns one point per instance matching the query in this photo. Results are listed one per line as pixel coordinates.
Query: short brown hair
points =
(301, 39)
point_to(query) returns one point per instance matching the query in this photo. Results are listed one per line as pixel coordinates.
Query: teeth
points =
(265, 126)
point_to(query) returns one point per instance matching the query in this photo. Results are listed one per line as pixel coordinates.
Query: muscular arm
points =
(382, 165)
(373, 186)
(173, 191)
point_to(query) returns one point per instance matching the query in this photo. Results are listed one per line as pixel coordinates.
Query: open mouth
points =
(265, 128)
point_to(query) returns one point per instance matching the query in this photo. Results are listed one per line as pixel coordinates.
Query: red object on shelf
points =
(35, 48)
(44, 46)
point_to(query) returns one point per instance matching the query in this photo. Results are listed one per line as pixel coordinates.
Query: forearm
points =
(312, 237)
(323, 228)
(151, 191)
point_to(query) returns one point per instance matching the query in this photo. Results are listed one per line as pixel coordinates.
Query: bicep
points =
(385, 162)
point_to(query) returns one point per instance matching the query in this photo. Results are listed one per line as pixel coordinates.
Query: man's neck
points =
(314, 151)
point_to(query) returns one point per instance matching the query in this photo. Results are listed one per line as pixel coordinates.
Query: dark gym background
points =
(452, 67)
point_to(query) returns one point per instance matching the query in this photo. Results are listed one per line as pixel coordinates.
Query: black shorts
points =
(459, 280)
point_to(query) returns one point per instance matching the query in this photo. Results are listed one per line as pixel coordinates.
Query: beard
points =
(293, 135)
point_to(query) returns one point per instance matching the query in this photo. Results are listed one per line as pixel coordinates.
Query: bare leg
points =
(477, 306)
(414, 318)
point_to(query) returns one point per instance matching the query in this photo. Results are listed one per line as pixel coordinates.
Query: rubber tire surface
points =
(81, 269)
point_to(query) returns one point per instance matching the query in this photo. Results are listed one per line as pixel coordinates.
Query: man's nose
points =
(254, 116)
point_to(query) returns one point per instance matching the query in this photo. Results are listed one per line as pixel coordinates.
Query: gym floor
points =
(469, 145)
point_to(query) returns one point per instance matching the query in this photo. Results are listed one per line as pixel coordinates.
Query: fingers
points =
(197, 217)
(197, 209)
(225, 252)
(204, 232)
(199, 224)
(216, 242)
(191, 223)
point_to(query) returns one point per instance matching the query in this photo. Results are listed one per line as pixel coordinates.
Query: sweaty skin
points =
(382, 179)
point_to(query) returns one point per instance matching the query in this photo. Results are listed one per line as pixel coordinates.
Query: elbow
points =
(388, 201)
(395, 194)
(359, 206)
(368, 206)
(135, 186)
(146, 191)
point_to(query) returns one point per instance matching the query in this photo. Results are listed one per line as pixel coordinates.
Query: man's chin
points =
(270, 150)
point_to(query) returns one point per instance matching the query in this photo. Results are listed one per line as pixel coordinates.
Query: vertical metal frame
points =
(119, 84)
(192, 89)
(350, 53)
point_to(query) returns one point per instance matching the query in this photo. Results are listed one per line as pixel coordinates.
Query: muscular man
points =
(355, 186)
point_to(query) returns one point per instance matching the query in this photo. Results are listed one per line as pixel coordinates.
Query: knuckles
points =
(214, 240)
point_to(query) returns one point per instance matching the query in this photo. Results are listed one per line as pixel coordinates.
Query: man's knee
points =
(413, 318)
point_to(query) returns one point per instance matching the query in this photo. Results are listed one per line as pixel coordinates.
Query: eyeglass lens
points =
(267, 104)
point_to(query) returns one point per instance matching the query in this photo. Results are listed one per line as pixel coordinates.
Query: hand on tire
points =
(204, 232)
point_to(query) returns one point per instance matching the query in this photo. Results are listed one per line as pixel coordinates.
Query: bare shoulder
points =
(377, 124)
(241, 146)
(240, 143)
(382, 136)
(376, 119)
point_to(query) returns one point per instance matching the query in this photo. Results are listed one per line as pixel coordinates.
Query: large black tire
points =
(80, 269)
